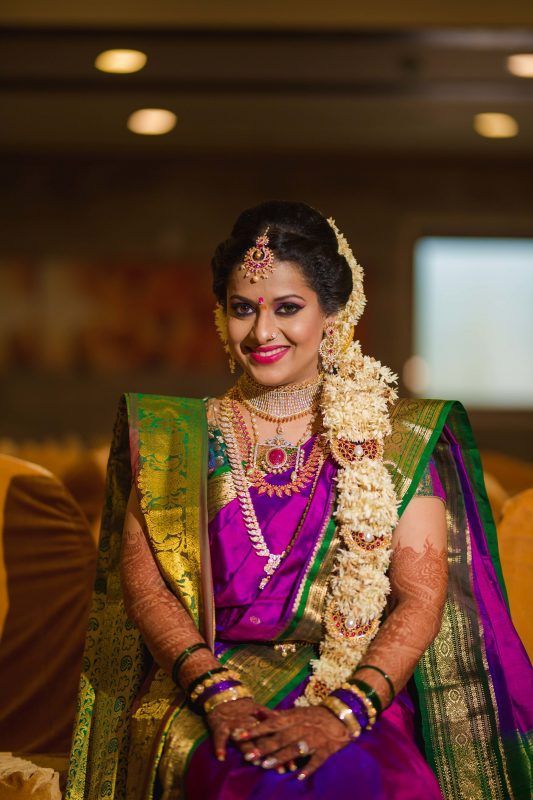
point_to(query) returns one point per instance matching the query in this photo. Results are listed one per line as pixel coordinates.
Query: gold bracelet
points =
(370, 709)
(214, 679)
(235, 693)
(343, 713)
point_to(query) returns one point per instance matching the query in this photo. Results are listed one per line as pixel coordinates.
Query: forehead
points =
(287, 279)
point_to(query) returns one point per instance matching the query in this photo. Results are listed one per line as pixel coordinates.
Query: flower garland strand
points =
(355, 401)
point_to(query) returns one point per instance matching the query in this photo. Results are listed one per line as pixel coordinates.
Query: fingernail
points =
(302, 776)
(268, 763)
(292, 766)
(221, 756)
(252, 755)
(281, 770)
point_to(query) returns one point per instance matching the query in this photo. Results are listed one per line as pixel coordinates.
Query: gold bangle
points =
(235, 693)
(343, 713)
(212, 681)
(370, 709)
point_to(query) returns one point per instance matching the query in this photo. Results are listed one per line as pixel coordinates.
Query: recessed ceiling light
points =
(521, 64)
(495, 125)
(121, 61)
(152, 121)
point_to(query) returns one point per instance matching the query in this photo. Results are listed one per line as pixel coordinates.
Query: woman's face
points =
(282, 304)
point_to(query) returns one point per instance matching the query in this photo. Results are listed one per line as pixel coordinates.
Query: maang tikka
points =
(258, 259)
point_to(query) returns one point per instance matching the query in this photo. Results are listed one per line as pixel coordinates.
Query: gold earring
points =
(326, 349)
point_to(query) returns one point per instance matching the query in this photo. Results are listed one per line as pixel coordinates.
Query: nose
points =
(264, 325)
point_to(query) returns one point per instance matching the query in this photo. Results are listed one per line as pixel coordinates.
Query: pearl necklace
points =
(238, 475)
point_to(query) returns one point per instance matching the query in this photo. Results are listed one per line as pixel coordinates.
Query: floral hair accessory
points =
(258, 259)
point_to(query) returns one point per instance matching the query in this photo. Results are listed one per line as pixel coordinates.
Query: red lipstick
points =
(268, 354)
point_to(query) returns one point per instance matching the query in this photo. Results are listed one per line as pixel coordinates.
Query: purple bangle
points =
(353, 702)
(216, 689)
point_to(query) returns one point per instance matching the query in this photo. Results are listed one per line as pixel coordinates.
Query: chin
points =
(273, 374)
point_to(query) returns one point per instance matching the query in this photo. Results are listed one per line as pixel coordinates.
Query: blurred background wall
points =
(368, 114)
(410, 123)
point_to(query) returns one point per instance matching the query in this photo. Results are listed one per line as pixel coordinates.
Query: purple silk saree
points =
(385, 764)
(460, 732)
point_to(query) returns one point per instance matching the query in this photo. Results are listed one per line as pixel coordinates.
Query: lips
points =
(267, 354)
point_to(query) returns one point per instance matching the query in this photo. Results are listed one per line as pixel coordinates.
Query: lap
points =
(384, 764)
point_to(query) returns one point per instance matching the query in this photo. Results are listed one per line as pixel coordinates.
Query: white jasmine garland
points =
(355, 408)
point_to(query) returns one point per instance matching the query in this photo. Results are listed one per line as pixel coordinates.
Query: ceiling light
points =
(495, 125)
(152, 121)
(120, 61)
(521, 64)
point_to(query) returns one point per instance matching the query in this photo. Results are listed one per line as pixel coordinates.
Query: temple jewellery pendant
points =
(274, 456)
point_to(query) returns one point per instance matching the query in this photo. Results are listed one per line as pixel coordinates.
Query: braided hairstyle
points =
(297, 233)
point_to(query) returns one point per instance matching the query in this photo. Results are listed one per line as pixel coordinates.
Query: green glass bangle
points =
(182, 658)
(383, 674)
(370, 693)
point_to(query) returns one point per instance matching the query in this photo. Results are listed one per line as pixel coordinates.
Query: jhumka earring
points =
(258, 259)
(327, 349)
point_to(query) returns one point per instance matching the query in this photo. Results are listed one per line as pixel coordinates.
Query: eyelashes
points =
(243, 310)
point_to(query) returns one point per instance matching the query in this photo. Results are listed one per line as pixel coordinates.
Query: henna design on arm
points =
(419, 579)
(163, 621)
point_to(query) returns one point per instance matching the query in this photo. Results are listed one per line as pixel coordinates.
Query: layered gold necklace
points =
(279, 405)
(276, 455)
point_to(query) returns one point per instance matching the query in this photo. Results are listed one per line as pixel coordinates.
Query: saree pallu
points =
(136, 737)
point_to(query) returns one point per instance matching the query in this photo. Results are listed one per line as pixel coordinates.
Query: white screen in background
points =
(473, 319)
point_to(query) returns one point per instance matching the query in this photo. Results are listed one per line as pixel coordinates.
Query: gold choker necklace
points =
(280, 403)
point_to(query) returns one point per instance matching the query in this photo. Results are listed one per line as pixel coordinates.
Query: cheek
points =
(238, 329)
(305, 332)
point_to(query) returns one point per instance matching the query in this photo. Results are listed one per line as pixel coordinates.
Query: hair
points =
(296, 233)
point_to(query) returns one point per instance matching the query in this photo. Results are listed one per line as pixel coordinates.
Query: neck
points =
(250, 386)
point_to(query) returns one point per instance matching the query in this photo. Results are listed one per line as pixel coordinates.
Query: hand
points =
(228, 717)
(276, 740)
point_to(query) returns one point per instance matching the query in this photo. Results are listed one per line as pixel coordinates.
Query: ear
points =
(330, 319)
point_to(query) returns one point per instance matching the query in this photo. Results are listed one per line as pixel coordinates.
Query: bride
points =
(298, 591)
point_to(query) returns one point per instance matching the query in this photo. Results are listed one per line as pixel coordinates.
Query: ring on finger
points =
(303, 747)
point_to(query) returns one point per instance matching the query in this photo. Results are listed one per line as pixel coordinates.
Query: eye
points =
(287, 309)
(242, 309)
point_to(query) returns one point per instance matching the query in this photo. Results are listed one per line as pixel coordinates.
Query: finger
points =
(259, 748)
(250, 752)
(220, 736)
(275, 722)
(283, 757)
(312, 765)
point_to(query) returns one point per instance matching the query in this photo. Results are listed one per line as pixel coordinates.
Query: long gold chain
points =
(253, 528)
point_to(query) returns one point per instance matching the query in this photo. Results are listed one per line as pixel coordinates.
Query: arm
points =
(419, 579)
(164, 623)
(166, 626)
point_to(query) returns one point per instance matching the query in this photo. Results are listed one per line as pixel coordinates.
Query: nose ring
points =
(273, 336)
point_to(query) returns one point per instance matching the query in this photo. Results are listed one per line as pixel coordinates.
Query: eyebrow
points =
(276, 299)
